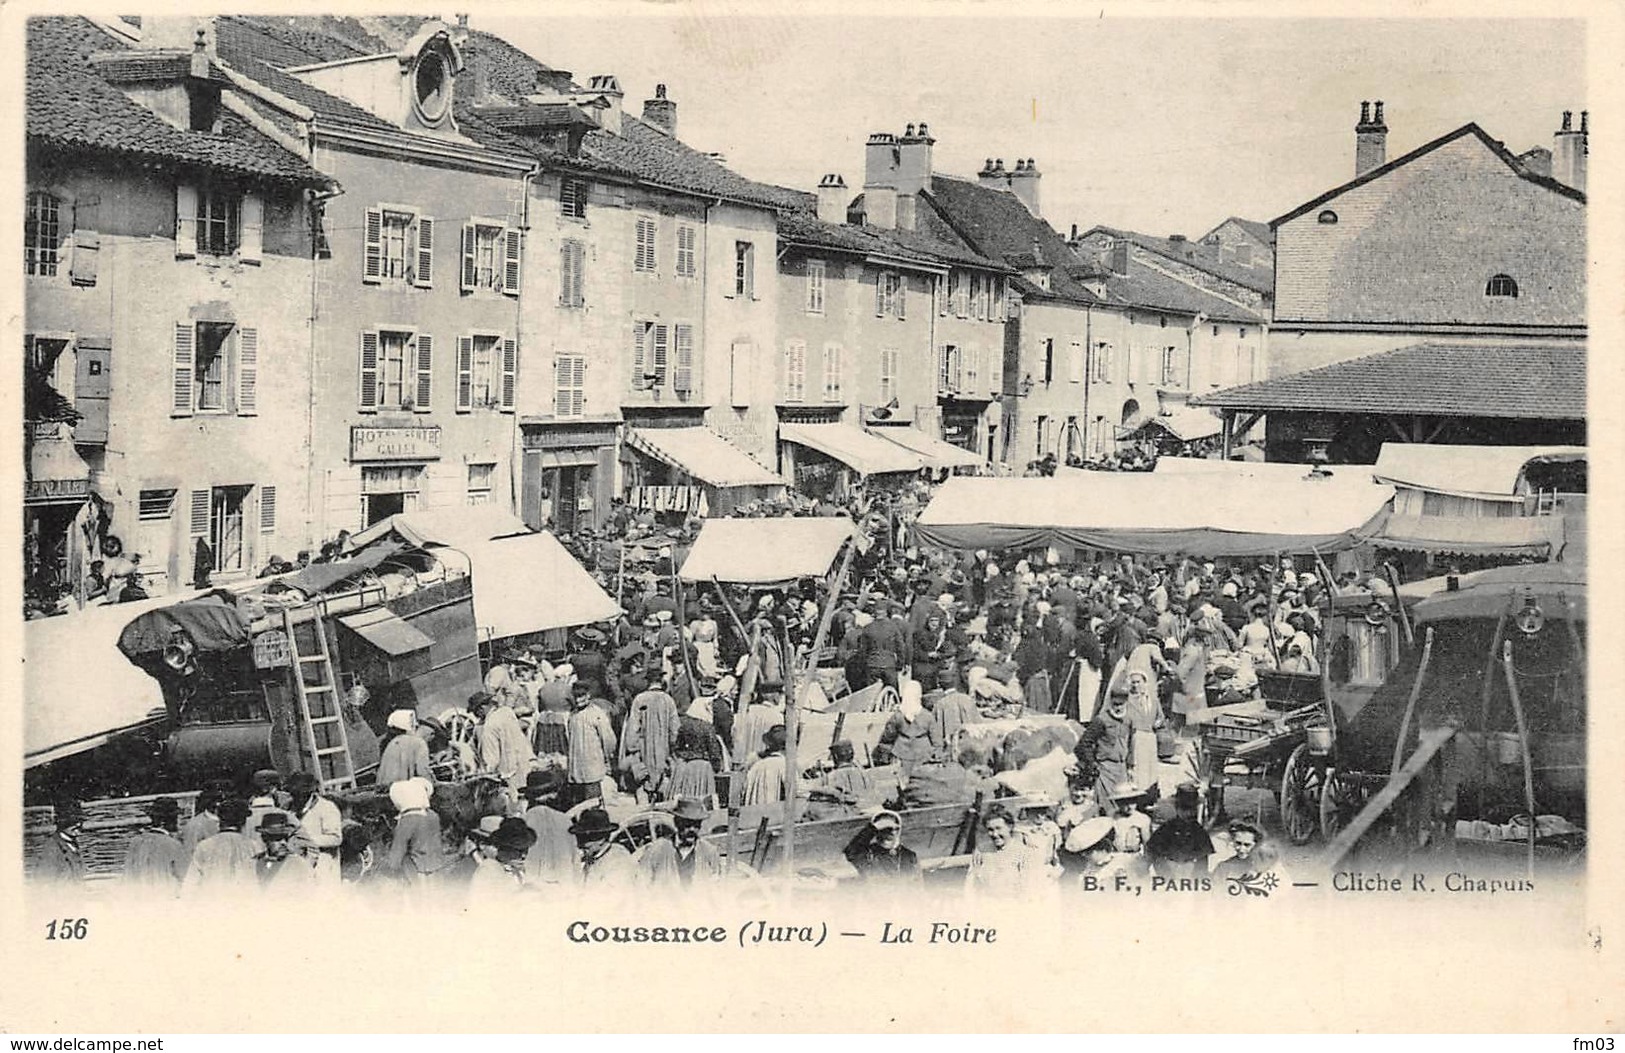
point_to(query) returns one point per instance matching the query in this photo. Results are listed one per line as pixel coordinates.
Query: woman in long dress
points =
(1144, 713)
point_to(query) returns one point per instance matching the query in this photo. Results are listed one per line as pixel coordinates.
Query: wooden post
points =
(1523, 746)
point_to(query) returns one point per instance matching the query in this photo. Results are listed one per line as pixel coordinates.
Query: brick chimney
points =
(914, 160)
(833, 197)
(605, 85)
(1024, 184)
(993, 174)
(1569, 150)
(1370, 140)
(661, 112)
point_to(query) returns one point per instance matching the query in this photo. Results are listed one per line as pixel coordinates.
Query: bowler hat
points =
(1187, 795)
(277, 824)
(592, 823)
(690, 809)
(542, 782)
(513, 835)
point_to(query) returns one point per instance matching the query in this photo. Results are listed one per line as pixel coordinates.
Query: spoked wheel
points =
(1301, 784)
(1341, 799)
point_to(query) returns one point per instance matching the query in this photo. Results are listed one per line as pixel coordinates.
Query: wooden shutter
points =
(902, 288)
(510, 370)
(832, 372)
(566, 273)
(880, 294)
(185, 362)
(683, 379)
(640, 358)
(87, 245)
(372, 266)
(267, 508)
(248, 371)
(470, 241)
(185, 221)
(425, 369)
(660, 355)
(368, 399)
(197, 522)
(423, 273)
(512, 244)
(791, 371)
(943, 291)
(570, 381)
(465, 374)
(578, 280)
(251, 228)
(561, 378)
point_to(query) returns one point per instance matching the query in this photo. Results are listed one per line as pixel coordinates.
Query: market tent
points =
(1253, 469)
(454, 526)
(530, 583)
(78, 690)
(765, 551)
(1187, 423)
(853, 447)
(1474, 535)
(935, 452)
(1483, 472)
(1148, 512)
(703, 454)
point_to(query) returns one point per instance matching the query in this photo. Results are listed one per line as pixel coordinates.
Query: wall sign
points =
(271, 650)
(414, 443)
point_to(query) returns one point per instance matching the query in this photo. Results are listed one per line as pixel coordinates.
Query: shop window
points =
(387, 490)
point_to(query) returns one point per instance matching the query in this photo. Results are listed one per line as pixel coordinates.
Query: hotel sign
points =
(415, 443)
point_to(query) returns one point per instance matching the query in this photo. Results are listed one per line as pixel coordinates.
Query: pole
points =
(1523, 746)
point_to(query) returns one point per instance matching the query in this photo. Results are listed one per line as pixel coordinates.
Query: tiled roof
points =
(1256, 228)
(545, 115)
(1498, 149)
(806, 229)
(997, 224)
(1201, 256)
(69, 106)
(1547, 383)
(650, 154)
(129, 66)
(258, 47)
(1144, 287)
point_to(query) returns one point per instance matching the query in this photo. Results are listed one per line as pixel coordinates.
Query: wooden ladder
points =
(318, 694)
(1545, 502)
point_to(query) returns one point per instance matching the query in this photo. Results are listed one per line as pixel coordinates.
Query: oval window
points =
(433, 84)
(1328, 216)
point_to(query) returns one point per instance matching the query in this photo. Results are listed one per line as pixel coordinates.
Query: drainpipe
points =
(516, 450)
(1088, 373)
(316, 200)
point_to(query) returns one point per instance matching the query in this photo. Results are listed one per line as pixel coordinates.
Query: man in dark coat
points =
(878, 854)
(1180, 847)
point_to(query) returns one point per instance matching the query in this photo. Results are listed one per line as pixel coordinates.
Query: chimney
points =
(882, 156)
(833, 198)
(880, 207)
(1569, 149)
(1117, 256)
(993, 174)
(1024, 184)
(200, 55)
(476, 68)
(1537, 160)
(661, 112)
(914, 160)
(177, 32)
(605, 85)
(1370, 140)
(907, 211)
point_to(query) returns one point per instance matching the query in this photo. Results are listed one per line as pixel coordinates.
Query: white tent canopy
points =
(1187, 423)
(1271, 470)
(1157, 513)
(705, 455)
(934, 451)
(1483, 472)
(455, 526)
(853, 447)
(529, 583)
(765, 551)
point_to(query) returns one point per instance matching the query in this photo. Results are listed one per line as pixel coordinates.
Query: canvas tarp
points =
(936, 452)
(1485, 472)
(1474, 535)
(1148, 512)
(1254, 469)
(853, 447)
(765, 551)
(455, 526)
(530, 583)
(1187, 423)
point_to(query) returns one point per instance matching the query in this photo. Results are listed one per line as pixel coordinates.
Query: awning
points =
(936, 452)
(529, 583)
(56, 473)
(386, 631)
(765, 551)
(703, 454)
(1483, 472)
(853, 447)
(1271, 470)
(1187, 424)
(1147, 512)
(456, 526)
(1473, 535)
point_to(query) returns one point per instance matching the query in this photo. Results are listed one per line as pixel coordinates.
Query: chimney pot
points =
(1379, 111)
(1584, 120)
(1370, 140)
(909, 131)
(924, 132)
(1568, 120)
(1365, 112)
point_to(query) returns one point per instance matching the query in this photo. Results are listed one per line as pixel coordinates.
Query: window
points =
(215, 369)
(1074, 363)
(217, 519)
(569, 385)
(212, 362)
(486, 380)
(490, 257)
(432, 87)
(959, 294)
(479, 483)
(888, 375)
(1170, 366)
(949, 365)
(399, 247)
(1326, 216)
(1042, 433)
(573, 198)
(972, 367)
(392, 359)
(744, 269)
(1501, 285)
(1103, 362)
(682, 380)
(397, 370)
(217, 215)
(572, 272)
(833, 367)
(486, 365)
(155, 504)
(42, 235)
(387, 490)
(1241, 333)
(889, 290)
(1049, 359)
(649, 347)
(155, 513)
(815, 286)
(685, 250)
(795, 371)
(644, 259)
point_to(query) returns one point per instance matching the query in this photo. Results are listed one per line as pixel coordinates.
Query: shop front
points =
(56, 494)
(972, 425)
(828, 461)
(568, 474)
(394, 463)
(693, 471)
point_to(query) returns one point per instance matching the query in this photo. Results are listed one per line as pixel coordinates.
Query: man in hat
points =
(500, 862)
(551, 859)
(647, 741)
(878, 854)
(416, 849)
(765, 781)
(605, 865)
(204, 822)
(882, 646)
(1180, 847)
(592, 751)
(405, 754)
(846, 779)
(587, 656)
(60, 861)
(1105, 747)
(223, 863)
(503, 745)
(685, 861)
(278, 866)
(321, 827)
(268, 796)
(155, 859)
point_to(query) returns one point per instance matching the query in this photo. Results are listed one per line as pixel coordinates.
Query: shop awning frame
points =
(938, 453)
(703, 454)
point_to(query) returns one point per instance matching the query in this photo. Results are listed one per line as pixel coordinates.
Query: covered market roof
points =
(1470, 471)
(766, 551)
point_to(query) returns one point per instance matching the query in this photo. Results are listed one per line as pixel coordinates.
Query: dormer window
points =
(1326, 216)
(1501, 285)
(431, 83)
(203, 100)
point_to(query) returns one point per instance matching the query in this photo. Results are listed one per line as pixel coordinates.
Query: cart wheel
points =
(1341, 799)
(1301, 785)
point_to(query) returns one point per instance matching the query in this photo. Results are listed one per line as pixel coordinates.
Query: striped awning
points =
(703, 454)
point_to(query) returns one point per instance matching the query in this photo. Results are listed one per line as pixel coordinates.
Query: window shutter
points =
(561, 379)
(640, 363)
(465, 374)
(795, 371)
(943, 292)
(251, 228)
(267, 508)
(372, 267)
(248, 371)
(880, 294)
(198, 522)
(684, 377)
(423, 277)
(369, 371)
(185, 221)
(511, 245)
(425, 367)
(832, 372)
(567, 274)
(902, 288)
(87, 246)
(660, 355)
(185, 341)
(510, 368)
(578, 281)
(470, 240)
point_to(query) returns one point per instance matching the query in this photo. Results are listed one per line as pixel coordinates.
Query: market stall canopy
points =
(454, 527)
(766, 551)
(1253, 469)
(529, 584)
(934, 451)
(705, 455)
(853, 447)
(1483, 472)
(1147, 512)
(1187, 423)
(1474, 535)
(78, 690)
(1559, 589)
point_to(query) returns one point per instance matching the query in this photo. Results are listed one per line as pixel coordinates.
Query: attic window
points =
(432, 86)
(204, 106)
(1327, 216)
(1501, 285)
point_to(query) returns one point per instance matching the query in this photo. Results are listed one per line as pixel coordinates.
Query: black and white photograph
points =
(715, 486)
